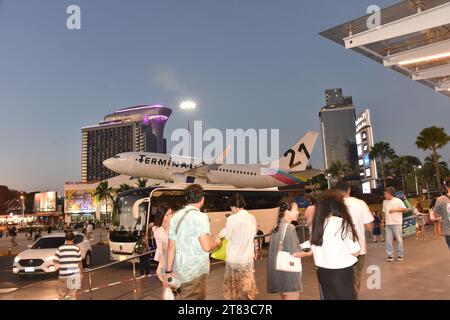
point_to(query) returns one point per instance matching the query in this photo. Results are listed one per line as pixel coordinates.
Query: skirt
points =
(239, 282)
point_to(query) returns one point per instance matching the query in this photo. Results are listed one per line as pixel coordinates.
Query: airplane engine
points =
(182, 178)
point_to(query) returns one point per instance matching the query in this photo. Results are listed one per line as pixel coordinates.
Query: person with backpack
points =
(190, 243)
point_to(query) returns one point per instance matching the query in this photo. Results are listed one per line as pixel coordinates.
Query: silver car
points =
(38, 258)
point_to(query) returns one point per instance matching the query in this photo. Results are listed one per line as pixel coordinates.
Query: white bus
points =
(135, 210)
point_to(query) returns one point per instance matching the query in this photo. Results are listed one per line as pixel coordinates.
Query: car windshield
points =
(49, 243)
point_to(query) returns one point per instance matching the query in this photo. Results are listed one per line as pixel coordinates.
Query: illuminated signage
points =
(360, 152)
(358, 139)
(366, 160)
(157, 117)
(366, 187)
(45, 202)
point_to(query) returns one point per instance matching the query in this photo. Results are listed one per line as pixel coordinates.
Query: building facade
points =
(337, 120)
(134, 129)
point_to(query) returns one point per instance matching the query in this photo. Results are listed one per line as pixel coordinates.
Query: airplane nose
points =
(109, 163)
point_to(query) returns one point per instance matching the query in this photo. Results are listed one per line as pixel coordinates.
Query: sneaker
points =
(390, 259)
(400, 258)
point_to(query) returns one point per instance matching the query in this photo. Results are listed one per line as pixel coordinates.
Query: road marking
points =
(8, 290)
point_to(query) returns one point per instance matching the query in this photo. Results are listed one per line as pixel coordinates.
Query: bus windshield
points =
(124, 222)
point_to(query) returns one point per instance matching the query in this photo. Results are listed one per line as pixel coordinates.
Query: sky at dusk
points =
(247, 63)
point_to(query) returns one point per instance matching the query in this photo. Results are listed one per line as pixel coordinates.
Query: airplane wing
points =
(202, 170)
(307, 174)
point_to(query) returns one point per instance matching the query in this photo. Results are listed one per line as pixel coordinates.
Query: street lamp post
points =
(189, 106)
(22, 198)
(415, 178)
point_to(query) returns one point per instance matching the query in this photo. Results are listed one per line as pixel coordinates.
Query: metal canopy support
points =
(428, 19)
(417, 55)
(436, 72)
(445, 86)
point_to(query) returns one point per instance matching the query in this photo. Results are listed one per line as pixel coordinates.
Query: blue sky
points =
(248, 64)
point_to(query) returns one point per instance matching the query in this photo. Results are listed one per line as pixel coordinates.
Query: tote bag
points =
(285, 261)
(221, 253)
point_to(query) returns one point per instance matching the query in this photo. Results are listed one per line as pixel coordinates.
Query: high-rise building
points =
(364, 141)
(337, 120)
(134, 129)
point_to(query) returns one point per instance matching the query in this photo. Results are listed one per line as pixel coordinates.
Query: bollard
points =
(9, 250)
(134, 276)
(90, 284)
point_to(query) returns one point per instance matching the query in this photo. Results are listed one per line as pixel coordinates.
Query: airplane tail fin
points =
(297, 157)
(221, 159)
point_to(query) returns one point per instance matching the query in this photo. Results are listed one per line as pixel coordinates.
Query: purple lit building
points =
(133, 129)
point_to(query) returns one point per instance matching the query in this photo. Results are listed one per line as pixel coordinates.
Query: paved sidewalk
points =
(424, 274)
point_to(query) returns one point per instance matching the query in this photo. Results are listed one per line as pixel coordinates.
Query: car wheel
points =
(87, 262)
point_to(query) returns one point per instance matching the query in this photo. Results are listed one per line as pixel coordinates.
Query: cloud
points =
(167, 79)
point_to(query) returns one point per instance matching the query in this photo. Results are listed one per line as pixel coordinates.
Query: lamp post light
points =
(415, 178)
(189, 106)
(22, 198)
(329, 181)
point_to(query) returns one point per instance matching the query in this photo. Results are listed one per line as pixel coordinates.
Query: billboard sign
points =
(80, 201)
(45, 202)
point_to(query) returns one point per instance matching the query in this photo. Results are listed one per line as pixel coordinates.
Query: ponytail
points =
(284, 206)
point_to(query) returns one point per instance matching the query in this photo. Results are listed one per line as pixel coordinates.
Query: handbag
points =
(285, 261)
(221, 253)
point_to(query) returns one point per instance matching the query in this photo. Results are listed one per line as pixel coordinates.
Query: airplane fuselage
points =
(168, 168)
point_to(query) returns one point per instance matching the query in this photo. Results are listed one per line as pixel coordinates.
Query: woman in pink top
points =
(160, 233)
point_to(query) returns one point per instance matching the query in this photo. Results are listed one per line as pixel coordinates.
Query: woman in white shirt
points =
(240, 231)
(335, 247)
(160, 232)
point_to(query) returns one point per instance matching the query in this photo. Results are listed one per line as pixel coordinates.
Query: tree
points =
(141, 183)
(402, 166)
(382, 151)
(428, 169)
(339, 170)
(433, 139)
(103, 192)
(123, 187)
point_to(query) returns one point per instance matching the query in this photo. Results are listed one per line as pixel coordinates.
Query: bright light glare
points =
(423, 59)
(188, 105)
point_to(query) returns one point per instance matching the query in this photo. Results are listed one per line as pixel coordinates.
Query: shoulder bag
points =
(285, 261)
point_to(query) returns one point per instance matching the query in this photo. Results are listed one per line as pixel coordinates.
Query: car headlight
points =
(50, 258)
(16, 259)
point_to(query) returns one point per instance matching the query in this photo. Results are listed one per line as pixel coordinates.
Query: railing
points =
(133, 259)
(90, 271)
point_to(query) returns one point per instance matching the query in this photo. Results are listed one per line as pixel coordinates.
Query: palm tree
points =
(141, 183)
(433, 139)
(103, 192)
(339, 170)
(382, 151)
(123, 187)
(428, 169)
(402, 165)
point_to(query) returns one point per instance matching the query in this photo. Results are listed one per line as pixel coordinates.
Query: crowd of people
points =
(338, 224)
